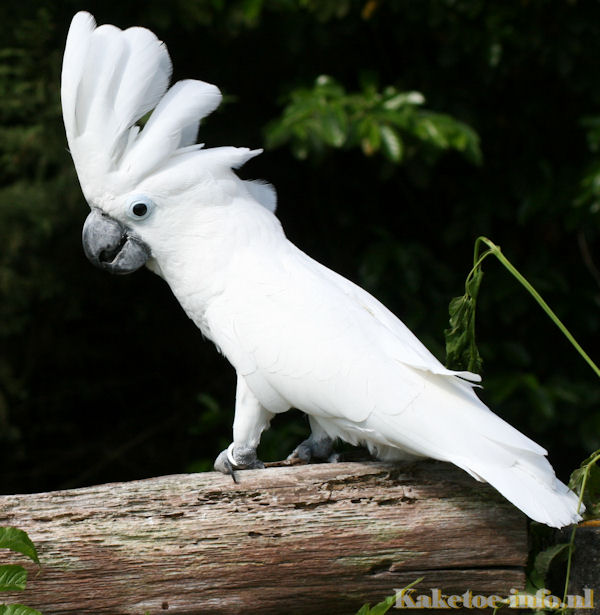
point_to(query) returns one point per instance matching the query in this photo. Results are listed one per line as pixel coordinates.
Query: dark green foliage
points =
(327, 115)
(389, 197)
(379, 609)
(18, 541)
(586, 479)
(537, 578)
(385, 605)
(12, 576)
(17, 609)
(461, 348)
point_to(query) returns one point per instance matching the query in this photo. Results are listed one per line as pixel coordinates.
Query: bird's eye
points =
(140, 207)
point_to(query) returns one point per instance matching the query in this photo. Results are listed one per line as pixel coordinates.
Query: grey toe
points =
(312, 448)
(246, 459)
(237, 458)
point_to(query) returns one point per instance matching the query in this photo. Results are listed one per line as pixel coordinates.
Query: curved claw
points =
(312, 448)
(237, 458)
(302, 452)
(223, 465)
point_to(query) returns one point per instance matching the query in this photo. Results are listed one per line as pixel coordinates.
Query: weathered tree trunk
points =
(585, 569)
(305, 539)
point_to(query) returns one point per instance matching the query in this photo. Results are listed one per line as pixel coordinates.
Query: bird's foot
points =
(313, 448)
(237, 458)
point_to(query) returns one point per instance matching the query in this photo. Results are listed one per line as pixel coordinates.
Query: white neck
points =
(203, 259)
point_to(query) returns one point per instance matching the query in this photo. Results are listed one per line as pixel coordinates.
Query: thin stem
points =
(494, 249)
(569, 559)
(478, 258)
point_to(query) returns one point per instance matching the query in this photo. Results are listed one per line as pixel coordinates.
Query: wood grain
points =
(321, 538)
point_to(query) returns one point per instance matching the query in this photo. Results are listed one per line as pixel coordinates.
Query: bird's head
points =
(141, 184)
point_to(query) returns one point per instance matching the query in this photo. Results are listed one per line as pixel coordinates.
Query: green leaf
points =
(402, 99)
(252, 9)
(19, 542)
(428, 129)
(391, 143)
(324, 84)
(334, 127)
(591, 495)
(444, 132)
(542, 563)
(17, 609)
(384, 606)
(379, 609)
(326, 116)
(12, 578)
(370, 137)
(461, 349)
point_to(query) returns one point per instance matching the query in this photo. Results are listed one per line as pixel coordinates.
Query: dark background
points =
(104, 378)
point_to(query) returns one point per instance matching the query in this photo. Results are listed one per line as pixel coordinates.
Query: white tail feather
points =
(455, 426)
(542, 497)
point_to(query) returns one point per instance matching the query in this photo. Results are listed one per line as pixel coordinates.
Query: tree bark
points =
(585, 567)
(321, 538)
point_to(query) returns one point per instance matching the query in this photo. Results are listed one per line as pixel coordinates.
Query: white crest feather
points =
(78, 39)
(168, 128)
(111, 78)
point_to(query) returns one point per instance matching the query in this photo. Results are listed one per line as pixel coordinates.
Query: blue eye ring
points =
(140, 207)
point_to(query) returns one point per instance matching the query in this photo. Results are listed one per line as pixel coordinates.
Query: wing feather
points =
(391, 333)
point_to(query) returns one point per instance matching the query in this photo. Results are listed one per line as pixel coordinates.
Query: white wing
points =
(305, 337)
(299, 320)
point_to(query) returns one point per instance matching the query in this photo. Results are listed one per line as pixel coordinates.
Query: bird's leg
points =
(318, 446)
(251, 419)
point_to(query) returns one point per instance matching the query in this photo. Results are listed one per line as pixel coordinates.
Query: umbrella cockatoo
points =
(297, 334)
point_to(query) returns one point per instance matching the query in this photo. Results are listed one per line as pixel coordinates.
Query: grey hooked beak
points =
(111, 246)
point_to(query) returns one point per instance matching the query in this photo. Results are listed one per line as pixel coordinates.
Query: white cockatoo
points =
(297, 334)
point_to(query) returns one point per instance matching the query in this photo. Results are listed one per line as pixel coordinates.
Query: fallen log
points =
(321, 538)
